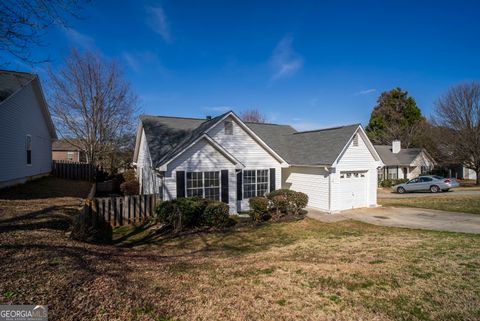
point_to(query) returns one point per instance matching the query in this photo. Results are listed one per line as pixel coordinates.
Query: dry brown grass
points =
(303, 270)
(462, 203)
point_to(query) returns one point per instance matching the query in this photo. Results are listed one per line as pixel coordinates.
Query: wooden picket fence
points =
(74, 170)
(123, 210)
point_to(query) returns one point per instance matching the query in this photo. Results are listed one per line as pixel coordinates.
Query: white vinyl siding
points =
(312, 181)
(21, 115)
(363, 191)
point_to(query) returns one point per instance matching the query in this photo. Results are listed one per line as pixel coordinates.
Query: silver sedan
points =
(430, 183)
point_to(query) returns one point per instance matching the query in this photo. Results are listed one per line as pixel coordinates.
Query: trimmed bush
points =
(280, 200)
(299, 201)
(182, 212)
(130, 188)
(258, 208)
(216, 214)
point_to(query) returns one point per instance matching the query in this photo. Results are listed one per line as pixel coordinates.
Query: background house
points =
(226, 159)
(63, 150)
(403, 163)
(26, 129)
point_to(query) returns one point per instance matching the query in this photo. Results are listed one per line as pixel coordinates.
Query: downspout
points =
(329, 189)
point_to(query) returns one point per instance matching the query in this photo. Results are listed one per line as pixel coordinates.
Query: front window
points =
(212, 185)
(69, 156)
(255, 182)
(204, 184)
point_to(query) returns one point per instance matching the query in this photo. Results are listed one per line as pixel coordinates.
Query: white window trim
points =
(203, 184)
(256, 181)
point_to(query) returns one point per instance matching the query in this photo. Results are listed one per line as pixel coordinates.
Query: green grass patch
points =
(465, 204)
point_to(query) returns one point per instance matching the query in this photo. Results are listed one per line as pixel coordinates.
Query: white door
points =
(353, 190)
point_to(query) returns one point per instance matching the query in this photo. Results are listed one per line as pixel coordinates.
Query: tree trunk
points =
(477, 182)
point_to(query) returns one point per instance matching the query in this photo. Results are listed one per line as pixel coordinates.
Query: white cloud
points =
(157, 20)
(303, 126)
(79, 39)
(135, 60)
(366, 91)
(285, 61)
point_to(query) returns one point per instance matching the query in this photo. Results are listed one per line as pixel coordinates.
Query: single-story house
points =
(64, 150)
(403, 163)
(26, 129)
(459, 171)
(226, 159)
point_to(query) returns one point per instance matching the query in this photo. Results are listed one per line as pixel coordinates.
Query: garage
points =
(353, 189)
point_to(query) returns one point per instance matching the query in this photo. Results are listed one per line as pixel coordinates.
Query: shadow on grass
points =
(46, 187)
(240, 239)
(53, 217)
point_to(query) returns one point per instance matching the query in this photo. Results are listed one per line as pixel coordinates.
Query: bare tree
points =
(459, 111)
(23, 23)
(252, 116)
(92, 104)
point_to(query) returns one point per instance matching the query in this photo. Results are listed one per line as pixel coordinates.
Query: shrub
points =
(91, 229)
(216, 214)
(130, 188)
(129, 175)
(280, 200)
(392, 182)
(386, 183)
(299, 201)
(258, 208)
(182, 212)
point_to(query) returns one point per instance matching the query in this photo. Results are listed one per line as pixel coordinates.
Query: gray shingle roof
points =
(403, 158)
(166, 136)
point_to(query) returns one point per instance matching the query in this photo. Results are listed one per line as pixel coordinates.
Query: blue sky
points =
(308, 64)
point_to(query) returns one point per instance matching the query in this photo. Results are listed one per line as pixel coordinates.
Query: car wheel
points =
(434, 189)
(400, 190)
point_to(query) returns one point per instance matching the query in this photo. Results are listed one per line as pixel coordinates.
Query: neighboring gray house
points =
(403, 163)
(26, 129)
(226, 159)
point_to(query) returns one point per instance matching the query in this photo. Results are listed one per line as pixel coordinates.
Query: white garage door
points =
(353, 190)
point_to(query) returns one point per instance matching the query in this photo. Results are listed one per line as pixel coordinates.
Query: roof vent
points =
(209, 117)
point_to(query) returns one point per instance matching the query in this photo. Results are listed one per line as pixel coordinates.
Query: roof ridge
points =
(325, 129)
(177, 117)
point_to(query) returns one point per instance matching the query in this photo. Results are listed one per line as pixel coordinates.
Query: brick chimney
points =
(396, 146)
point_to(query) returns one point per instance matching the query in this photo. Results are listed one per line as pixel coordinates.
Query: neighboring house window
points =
(204, 184)
(255, 182)
(228, 128)
(392, 172)
(425, 170)
(28, 148)
(355, 140)
(69, 156)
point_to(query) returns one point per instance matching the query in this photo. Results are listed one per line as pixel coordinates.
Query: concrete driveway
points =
(407, 217)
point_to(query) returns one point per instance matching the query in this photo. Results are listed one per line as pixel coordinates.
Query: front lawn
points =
(466, 204)
(303, 270)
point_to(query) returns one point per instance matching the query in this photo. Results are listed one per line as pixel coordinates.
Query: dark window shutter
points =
(225, 186)
(180, 184)
(239, 185)
(272, 179)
